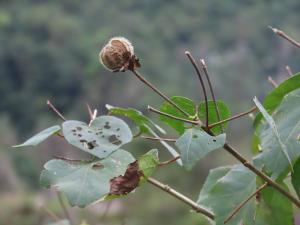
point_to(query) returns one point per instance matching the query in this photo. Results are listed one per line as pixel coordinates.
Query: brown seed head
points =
(117, 54)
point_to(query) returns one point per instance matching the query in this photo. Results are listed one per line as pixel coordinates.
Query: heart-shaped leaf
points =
(40, 137)
(105, 135)
(84, 183)
(194, 144)
(224, 189)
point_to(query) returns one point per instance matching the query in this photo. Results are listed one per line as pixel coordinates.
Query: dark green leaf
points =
(273, 208)
(194, 144)
(287, 121)
(224, 112)
(105, 135)
(40, 137)
(274, 98)
(296, 177)
(186, 104)
(84, 183)
(224, 189)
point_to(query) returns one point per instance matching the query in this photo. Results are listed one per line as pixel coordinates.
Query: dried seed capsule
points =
(117, 54)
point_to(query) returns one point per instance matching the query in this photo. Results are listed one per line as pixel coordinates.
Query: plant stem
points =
(159, 139)
(141, 78)
(169, 161)
(192, 60)
(253, 109)
(251, 167)
(237, 209)
(64, 208)
(289, 71)
(181, 197)
(204, 67)
(285, 36)
(195, 122)
(51, 214)
(55, 110)
(273, 82)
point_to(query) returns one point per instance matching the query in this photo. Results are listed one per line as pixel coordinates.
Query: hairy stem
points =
(181, 197)
(169, 161)
(159, 139)
(55, 110)
(192, 60)
(141, 78)
(273, 82)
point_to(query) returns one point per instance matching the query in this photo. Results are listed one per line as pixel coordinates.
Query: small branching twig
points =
(192, 60)
(169, 161)
(141, 78)
(273, 82)
(159, 139)
(54, 109)
(181, 197)
(253, 109)
(173, 117)
(204, 67)
(238, 208)
(285, 36)
(289, 71)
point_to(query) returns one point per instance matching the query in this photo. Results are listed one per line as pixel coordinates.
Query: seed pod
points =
(117, 54)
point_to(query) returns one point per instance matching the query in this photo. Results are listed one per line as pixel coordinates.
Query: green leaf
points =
(148, 163)
(186, 104)
(274, 129)
(296, 177)
(61, 222)
(273, 208)
(84, 183)
(141, 120)
(105, 135)
(194, 144)
(224, 112)
(287, 119)
(274, 98)
(40, 137)
(224, 189)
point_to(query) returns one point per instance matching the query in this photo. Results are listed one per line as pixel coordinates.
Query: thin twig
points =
(192, 60)
(64, 208)
(169, 161)
(253, 109)
(89, 111)
(173, 117)
(285, 36)
(54, 217)
(237, 209)
(159, 139)
(273, 82)
(55, 110)
(204, 67)
(141, 78)
(289, 71)
(266, 178)
(181, 197)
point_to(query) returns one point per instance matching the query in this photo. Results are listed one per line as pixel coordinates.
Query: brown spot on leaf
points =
(106, 126)
(97, 165)
(79, 128)
(114, 140)
(123, 185)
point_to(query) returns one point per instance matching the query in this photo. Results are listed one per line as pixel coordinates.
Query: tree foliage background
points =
(49, 50)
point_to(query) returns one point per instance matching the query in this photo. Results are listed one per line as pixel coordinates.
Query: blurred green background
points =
(49, 50)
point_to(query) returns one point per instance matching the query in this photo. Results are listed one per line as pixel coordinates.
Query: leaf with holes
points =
(287, 120)
(194, 144)
(224, 189)
(224, 112)
(105, 135)
(186, 104)
(84, 183)
(141, 120)
(273, 99)
(40, 137)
